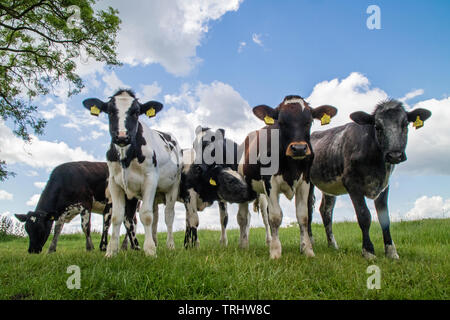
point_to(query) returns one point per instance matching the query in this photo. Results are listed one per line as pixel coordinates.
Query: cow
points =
(289, 125)
(143, 164)
(73, 188)
(205, 181)
(358, 159)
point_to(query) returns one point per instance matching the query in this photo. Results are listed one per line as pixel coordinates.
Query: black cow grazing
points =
(290, 156)
(205, 181)
(358, 158)
(73, 188)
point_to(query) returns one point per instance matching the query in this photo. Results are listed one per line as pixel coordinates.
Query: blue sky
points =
(196, 63)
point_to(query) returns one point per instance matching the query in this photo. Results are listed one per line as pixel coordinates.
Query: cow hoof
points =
(51, 250)
(367, 255)
(224, 242)
(103, 248)
(171, 245)
(391, 252)
(307, 251)
(243, 244)
(333, 244)
(275, 249)
(110, 254)
(150, 249)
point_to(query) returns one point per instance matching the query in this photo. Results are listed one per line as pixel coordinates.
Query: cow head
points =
(38, 225)
(294, 117)
(390, 121)
(123, 111)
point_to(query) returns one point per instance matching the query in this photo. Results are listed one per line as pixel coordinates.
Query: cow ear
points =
(266, 114)
(151, 108)
(21, 217)
(418, 116)
(362, 118)
(324, 113)
(95, 106)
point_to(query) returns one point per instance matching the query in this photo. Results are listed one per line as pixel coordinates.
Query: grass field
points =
(214, 272)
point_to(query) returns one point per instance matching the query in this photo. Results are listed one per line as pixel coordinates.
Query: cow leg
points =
(118, 213)
(326, 211)
(223, 222)
(301, 209)
(58, 228)
(86, 226)
(243, 219)
(311, 201)
(275, 218)
(146, 213)
(364, 219)
(265, 216)
(381, 205)
(192, 221)
(130, 225)
(155, 223)
(107, 213)
(169, 213)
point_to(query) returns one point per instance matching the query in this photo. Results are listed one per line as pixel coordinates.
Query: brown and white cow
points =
(276, 159)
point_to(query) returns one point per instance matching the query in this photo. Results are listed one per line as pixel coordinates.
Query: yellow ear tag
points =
(150, 113)
(325, 119)
(269, 120)
(95, 111)
(212, 182)
(418, 123)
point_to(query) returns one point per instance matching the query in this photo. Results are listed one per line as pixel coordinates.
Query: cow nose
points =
(121, 138)
(395, 157)
(299, 149)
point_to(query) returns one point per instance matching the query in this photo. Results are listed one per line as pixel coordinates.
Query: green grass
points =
(214, 272)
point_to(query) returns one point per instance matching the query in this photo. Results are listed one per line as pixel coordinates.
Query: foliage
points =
(40, 41)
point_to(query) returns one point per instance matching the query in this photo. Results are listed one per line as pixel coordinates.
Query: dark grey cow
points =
(358, 158)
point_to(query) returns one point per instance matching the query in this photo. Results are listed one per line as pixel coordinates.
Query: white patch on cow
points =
(123, 102)
(293, 100)
(98, 206)
(71, 212)
(122, 151)
(33, 219)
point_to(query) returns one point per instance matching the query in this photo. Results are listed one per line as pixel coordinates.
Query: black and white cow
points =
(358, 158)
(143, 164)
(290, 125)
(204, 182)
(73, 188)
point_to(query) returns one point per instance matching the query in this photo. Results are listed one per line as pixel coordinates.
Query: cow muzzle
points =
(121, 138)
(298, 150)
(395, 157)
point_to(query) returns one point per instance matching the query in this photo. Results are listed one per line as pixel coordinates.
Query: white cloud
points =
(166, 32)
(59, 109)
(242, 44)
(216, 105)
(429, 207)
(40, 184)
(350, 94)
(38, 153)
(149, 92)
(412, 94)
(5, 195)
(113, 83)
(33, 201)
(256, 38)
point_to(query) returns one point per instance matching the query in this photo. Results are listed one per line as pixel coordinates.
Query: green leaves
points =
(41, 42)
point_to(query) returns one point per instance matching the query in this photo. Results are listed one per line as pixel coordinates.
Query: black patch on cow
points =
(135, 149)
(155, 162)
(167, 139)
